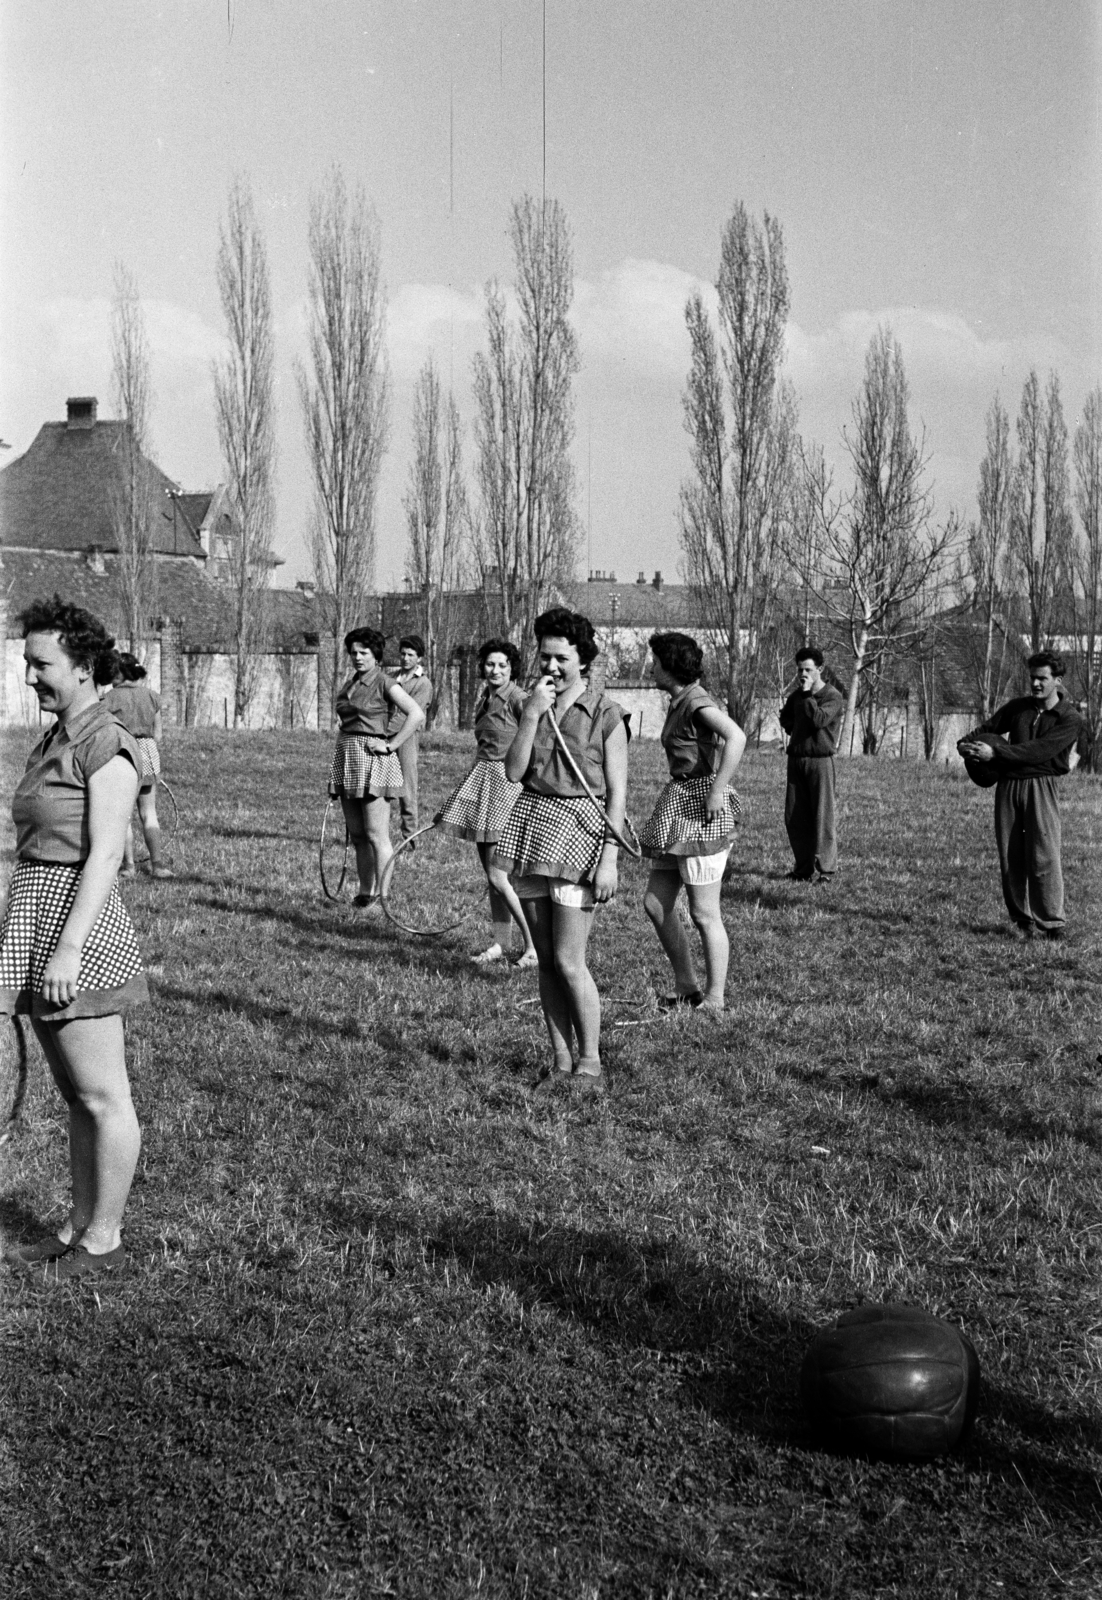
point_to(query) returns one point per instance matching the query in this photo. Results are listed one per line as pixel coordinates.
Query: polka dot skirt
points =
(479, 808)
(39, 900)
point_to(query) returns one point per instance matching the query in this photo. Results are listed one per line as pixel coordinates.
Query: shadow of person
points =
(737, 1356)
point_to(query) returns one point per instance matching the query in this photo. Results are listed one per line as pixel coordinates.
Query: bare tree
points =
(527, 528)
(345, 400)
(436, 515)
(1087, 454)
(1041, 517)
(882, 550)
(737, 505)
(132, 508)
(988, 552)
(245, 407)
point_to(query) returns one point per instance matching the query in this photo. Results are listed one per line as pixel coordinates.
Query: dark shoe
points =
(1024, 930)
(1053, 933)
(673, 1002)
(825, 877)
(550, 1079)
(365, 900)
(77, 1262)
(34, 1255)
(798, 877)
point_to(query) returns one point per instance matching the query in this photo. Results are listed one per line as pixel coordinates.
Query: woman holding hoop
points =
(480, 807)
(689, 834)
(68, 954)
(366, 774)
(559, 852)
(139, 710)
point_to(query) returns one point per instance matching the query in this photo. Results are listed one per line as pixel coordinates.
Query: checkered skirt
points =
(39, 900)
(551, 836)
(678, 825)
(150, 758)
(356, 773)
(480, 807)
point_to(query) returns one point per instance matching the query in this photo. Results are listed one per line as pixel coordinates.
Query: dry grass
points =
(395, 1326)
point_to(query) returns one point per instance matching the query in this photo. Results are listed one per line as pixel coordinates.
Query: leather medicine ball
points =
(891, 1380)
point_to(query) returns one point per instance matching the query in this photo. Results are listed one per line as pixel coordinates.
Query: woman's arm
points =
(519, 753)
(112, 792)
(734, 743)
(158, 726)
(414, 718)
(616, 797)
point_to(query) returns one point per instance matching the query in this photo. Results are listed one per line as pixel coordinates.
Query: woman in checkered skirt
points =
(555, 845)
(689, 834)
(366, 773)
(480, 807)
(136, 706)
(68, 955)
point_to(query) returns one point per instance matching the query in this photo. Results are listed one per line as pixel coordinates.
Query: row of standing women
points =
(68, 953)
(549, 853)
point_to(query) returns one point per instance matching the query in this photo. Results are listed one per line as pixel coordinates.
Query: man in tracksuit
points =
(412, 678)
(812, 718)
(1030, 740)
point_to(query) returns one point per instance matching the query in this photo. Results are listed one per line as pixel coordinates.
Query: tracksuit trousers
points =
(809, 815)
(1027, 829)
(407, 800)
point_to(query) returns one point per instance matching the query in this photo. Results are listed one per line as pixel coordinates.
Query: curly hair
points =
(499, 647)
(1048, 658)
(679, 655)
(810, 652)
(130, 668)
(370, 638)
(560, 623)
(81, 635)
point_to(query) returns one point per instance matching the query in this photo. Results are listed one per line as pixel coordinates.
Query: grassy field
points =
(395, 1326)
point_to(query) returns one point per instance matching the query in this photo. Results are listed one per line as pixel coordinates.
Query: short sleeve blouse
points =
(585, 727)
(496, 721)
(691, 750)
(50, 804)
(136, 707)
(362, 705)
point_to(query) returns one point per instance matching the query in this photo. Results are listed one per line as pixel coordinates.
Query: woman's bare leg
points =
(357, 831)
(553, 995)
(151, 826)
(571, 925)
(87, 1058)
(708, 921)
(377, 823)
(660, 904)
(505, 907)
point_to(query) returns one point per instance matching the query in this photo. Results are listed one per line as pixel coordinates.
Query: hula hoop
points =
(388, 878)
(20, 1084)
(335, 892)
(632, 845)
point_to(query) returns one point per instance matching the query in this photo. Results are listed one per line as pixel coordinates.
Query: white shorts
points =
(579, 896)
(697, 870)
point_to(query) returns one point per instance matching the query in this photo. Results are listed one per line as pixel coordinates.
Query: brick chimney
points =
(658, 583)
(80, 411)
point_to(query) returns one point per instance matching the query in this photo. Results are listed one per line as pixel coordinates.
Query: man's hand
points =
(975, 750)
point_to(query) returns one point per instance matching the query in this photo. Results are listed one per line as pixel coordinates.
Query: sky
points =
(934, 166)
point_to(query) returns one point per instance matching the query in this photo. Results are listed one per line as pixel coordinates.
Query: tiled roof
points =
(58, 495)
(184, 593)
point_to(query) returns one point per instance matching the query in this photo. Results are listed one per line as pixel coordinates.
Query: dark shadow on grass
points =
(947, 1103)
(737, 1356)
(19, 1223)
(257, 1011)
